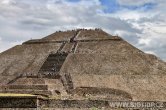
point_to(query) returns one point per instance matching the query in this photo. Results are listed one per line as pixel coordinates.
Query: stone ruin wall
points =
(140, 87)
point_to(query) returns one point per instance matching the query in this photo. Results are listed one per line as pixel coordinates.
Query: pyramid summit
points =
(81, 68)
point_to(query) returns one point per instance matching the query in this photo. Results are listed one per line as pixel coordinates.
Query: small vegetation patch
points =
(15, 95)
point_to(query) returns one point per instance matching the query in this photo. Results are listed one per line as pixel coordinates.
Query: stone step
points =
(6, 79)
(56, 57)
(33, 92)
(27, 109)
(53, 68)
(53, 63)
(73, 103)
(29, 81)
(18, 101)
(102, 93)
(76, 109)
(29, 87)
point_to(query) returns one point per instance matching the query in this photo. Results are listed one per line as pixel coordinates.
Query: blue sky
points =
(112, 6)
(140, 22)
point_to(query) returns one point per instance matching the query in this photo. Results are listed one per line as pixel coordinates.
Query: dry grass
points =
(15, 95)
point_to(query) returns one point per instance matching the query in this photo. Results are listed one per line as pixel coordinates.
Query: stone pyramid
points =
(87, 65)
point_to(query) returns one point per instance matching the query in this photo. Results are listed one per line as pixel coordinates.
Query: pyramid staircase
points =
(36, 86)
(26, 86)
(52, 65)
(47, 83)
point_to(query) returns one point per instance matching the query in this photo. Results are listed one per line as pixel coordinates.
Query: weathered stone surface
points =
(82, 65)
(90, 35)
(18, 102)
(25, 59)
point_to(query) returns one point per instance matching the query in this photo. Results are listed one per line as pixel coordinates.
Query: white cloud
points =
(4, 45)
(5, 1)
(22, 20)
(134, 2)
(151, 22)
